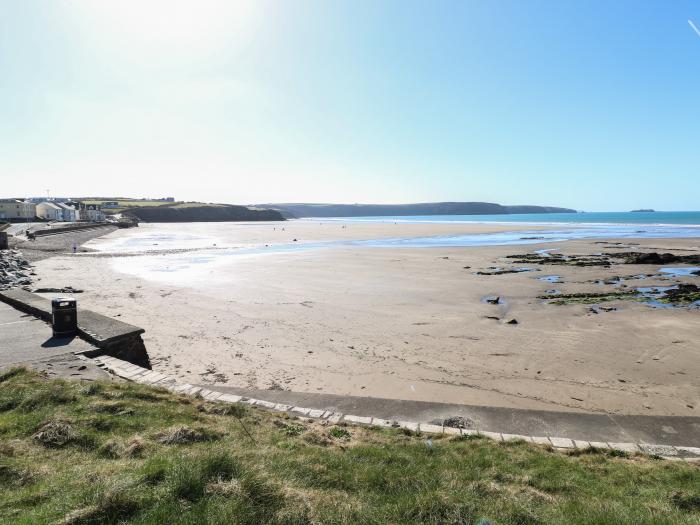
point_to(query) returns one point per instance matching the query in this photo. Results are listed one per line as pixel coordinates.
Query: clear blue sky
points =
(593, 105)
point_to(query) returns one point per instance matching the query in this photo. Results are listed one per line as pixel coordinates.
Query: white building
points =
(70, 214)
(49, 211)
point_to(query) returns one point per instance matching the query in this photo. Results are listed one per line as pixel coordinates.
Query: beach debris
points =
(512, 321)
(494, 299)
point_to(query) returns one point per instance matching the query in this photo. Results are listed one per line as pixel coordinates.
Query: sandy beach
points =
(392, 322)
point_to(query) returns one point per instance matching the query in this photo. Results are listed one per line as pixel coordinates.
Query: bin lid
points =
(63, 301)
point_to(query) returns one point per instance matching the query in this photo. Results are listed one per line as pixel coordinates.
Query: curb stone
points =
(135, 373)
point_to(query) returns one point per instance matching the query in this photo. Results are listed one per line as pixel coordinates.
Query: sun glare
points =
(157, 26)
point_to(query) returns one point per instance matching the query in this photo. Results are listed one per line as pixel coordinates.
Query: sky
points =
(593, 105)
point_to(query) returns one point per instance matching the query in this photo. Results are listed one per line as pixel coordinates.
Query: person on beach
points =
(75, 248)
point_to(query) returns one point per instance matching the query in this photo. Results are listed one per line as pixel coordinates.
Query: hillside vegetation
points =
(291, 210)
(198, 212)
(124, 204)
(93, 453)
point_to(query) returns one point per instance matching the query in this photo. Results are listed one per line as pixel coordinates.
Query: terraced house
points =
(16, 210)
(49, 211)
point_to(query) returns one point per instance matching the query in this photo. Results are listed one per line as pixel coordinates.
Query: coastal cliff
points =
(202, 213)
(291, 210)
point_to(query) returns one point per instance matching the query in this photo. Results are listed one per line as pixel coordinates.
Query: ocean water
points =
(189, 253)
(155, 239)
(656, 218)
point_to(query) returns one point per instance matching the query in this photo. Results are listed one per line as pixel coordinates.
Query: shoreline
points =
(409, 323)
(544, 224)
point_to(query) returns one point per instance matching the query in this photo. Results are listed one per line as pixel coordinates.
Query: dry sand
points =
(404, 323)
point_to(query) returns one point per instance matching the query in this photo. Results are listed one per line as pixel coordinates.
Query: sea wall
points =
(109, 336)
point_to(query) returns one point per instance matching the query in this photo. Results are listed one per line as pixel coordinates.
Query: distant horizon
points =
(577, 210)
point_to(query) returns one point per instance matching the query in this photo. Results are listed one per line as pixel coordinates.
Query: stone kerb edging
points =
(138, 374)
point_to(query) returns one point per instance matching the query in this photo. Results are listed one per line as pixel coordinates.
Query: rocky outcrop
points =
(658, 258)
(15, 270)
(202, 213)
(682, 294)
(67, 289)
(604, 259)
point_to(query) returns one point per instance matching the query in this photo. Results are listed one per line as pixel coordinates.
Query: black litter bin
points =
(64, 318)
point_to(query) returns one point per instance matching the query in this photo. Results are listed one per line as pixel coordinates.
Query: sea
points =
(180, 253)
(659, 218)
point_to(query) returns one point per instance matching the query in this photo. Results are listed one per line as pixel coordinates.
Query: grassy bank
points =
(124, 453)
(124, 205)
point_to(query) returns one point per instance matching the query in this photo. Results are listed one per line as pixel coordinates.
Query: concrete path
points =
(26, 340)
(671, 430)
(136, 373)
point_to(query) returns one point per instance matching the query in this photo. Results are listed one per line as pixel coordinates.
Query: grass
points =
(77, 453)
(128, 203)
(125, 204)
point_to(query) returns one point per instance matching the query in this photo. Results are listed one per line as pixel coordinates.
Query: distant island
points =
(643, 210)
(299, 210)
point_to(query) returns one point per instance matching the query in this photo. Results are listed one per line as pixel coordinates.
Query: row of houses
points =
(68, 211)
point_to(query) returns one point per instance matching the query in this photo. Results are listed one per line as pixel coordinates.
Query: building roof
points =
(50, 205)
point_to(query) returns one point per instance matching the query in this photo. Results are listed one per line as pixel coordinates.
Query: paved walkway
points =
(136, 373)
(671, 430)
(26, 340)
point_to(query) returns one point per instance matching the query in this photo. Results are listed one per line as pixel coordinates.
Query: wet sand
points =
(402, 323)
